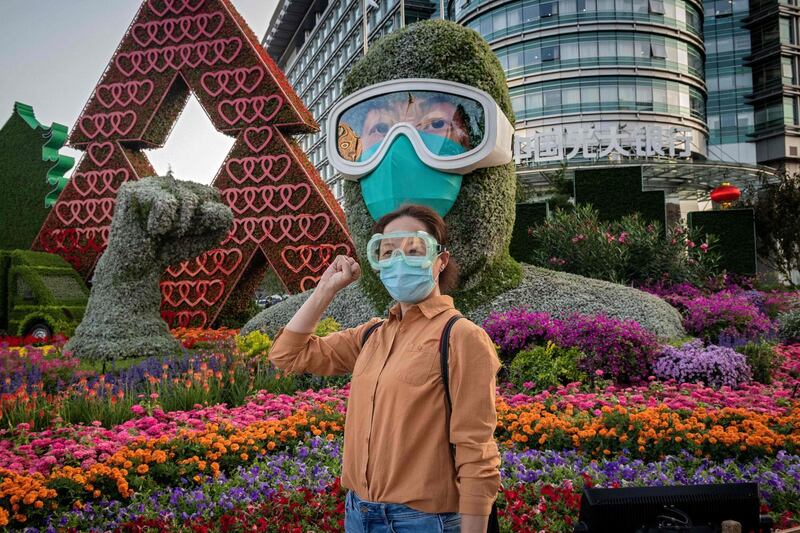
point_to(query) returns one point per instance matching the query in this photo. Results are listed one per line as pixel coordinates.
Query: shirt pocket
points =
(416, 366)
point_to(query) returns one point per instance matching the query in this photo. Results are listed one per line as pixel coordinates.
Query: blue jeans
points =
(362, 516)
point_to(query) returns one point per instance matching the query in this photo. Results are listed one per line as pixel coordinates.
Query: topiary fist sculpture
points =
(158, 221)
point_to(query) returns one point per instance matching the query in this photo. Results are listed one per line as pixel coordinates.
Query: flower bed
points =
(272, 461)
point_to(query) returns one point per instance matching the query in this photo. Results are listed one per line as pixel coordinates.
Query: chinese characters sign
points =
(596, 141)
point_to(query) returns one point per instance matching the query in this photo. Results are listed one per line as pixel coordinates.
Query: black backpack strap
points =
(368, 332)
(493, 526)
(444, 351)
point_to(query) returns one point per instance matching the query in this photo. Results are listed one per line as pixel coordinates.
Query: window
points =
(530, 11)
(656, 7)
(727, 120)
(571, 97)
(640, 6)
(514, 16)
(624, 49)
(550, 53)
(608, 94)
(590, 97)
(589, 50)
(725, 44)
(788, 70)
(552, 98)
(548, 10)
(658, 50)
(518, 104)
(723, 8)
(567, 7)
(569, 52)
(786, 31)
(533, 55)
(533, 102)
(607, 49)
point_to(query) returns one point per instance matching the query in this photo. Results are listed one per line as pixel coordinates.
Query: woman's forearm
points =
(473, 523)
(306, 318)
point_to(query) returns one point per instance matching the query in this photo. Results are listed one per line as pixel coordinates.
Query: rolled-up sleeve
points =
(331, 355)
(473, 366)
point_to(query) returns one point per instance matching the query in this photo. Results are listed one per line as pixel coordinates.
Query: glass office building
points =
(775, 98)
(729, 81)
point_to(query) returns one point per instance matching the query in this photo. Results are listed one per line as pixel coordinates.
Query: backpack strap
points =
(444, 352)
(369, 331)
(493, 525)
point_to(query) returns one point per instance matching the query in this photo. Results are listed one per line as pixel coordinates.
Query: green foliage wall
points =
(735, 229)
(616, 192)
(22, 173)
(528, 214)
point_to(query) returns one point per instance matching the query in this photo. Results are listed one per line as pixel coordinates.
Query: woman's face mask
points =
(405, 262)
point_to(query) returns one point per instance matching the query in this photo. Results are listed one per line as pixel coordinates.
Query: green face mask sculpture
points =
(401, 177)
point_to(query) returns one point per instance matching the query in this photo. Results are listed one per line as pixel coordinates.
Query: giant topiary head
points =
(480, 220)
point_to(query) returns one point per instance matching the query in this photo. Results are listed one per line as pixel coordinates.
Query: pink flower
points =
(154, 396)
(528, 384)
(137, 409)
(689, 243)
(622, 237)
(578, 238)
(610, 238)
(704, 247)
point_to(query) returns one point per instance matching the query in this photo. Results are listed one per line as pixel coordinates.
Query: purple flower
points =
(716, 366)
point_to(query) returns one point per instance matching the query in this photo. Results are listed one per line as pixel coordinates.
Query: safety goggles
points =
(453, 127)
(416, 248)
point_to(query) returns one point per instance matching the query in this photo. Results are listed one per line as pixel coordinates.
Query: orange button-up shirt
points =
(396, 445)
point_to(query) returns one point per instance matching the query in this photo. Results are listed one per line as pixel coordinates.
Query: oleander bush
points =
(629, 250)
(789, 326)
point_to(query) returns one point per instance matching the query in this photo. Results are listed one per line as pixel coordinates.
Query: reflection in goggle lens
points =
(448, 124)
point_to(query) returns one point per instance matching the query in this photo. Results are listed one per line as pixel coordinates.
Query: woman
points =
(397, 461)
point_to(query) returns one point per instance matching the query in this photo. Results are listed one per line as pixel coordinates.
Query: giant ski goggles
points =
(453, 127)
(416, 248)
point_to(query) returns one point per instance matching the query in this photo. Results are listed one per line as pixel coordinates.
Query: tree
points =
(777, 207)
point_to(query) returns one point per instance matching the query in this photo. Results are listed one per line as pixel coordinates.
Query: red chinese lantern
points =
(725, 194)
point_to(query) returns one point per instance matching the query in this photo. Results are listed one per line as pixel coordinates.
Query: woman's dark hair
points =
(448, 278)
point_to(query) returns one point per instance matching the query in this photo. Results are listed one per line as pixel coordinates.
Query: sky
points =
(53, 52)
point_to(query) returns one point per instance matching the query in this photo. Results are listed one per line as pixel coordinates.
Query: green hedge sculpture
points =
(482, 219)
(31, 175)
(158, 221)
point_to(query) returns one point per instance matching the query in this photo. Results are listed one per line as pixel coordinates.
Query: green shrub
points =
(546, 366)
(762, 359)
(789, 326)
(326, 326)
(254, 344)
(629, 250)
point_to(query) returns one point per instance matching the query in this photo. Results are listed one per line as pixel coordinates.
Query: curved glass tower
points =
(636, 64)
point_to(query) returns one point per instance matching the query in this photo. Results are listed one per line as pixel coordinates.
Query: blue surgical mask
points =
(402, 177)
(406, 283)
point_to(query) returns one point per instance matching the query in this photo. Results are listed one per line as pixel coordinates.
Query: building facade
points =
(773, 27)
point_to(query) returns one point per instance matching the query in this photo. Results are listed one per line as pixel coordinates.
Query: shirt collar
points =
(430, 307)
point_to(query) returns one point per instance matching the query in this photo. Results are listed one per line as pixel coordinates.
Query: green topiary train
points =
(481, 220)
(158, 221)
